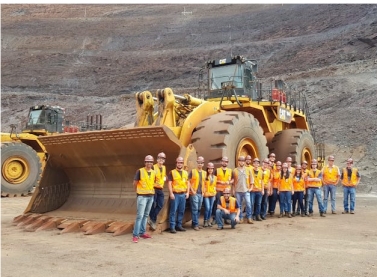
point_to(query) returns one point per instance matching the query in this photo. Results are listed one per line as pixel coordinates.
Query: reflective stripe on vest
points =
(210, 187)
(232, 204)
(195, 179)
(179, 183)
(353, 180)
(257, 179)
(146, 183)
(330, 176)
(223, 178)
(311, 174)
(160, 176)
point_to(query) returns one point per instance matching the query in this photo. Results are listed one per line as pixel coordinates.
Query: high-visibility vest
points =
(330, 175)
(353, 180)
(232, 204)
(248, 175)
(298, 185)
(223, 178)
(195, 179)
(160, 176)
(286, 184)
(210, 187)
(266, 177)
(146, 183)
(311, 174)
(276, 179)
(257, 179)
(179, 183)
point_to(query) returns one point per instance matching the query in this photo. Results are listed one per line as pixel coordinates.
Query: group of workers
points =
(246, 193)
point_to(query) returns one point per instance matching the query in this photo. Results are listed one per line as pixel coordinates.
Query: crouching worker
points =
(227, 208)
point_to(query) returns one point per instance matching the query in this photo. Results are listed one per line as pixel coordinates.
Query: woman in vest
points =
(209, 193)
(350, 179)
(274, 197)
(299, 190)
(285, 191)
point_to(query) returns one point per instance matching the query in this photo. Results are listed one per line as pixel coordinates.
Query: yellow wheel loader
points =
(23, 156)
(87, 182)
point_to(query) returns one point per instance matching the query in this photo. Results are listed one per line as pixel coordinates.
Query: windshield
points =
(223, 74)
(35, 117)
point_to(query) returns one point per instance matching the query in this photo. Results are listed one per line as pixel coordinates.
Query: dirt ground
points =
(338, 245)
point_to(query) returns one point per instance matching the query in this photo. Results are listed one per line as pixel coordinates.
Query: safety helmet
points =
(210, 165)
(267, 160)
(226, 190)
(241, 158)
(278, 163)
(148, 158)
(350, 160)
(285, 165)
(298, 166)
(161, 155)
(272, 155)
(304, 162)
(180, 159)
(331, 158)
(256, 160)
(248, 157)
(289, 159)
(200, 159)
(314, 161)
(225, 159)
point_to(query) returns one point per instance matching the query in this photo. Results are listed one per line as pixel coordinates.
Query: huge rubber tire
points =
(295, 143)
(230, 134)
(20, 168)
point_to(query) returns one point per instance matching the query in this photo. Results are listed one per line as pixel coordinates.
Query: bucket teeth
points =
(37, 223)
(20, 218)
(53, 223)
(124, 229)
(28, 220)
(96, 228)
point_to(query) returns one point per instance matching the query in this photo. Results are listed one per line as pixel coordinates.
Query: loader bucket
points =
(89, 176)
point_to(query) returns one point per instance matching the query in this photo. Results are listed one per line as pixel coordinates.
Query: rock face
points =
(90, 59)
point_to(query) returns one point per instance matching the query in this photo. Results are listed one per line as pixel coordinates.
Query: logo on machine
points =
(284, 115)
(222, 61)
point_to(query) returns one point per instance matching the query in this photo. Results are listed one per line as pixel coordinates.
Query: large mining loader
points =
(87, 183)
(23, 156)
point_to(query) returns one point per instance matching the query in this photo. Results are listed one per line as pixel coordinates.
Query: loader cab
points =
(234, 75)
(44, 119)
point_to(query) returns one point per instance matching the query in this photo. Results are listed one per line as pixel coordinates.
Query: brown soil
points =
(338, 245)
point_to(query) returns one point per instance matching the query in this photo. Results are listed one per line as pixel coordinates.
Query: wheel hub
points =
(15, 171)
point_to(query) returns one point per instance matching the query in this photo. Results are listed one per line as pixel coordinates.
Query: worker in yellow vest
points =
(158, 199)
(350, 177)
(144, 181)
(228, 209)
(330, 178)
(179, 188)
(257, 190)
(314, 188)
(266, 179)
(197, 177)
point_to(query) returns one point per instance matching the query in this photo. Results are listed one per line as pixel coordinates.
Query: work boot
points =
(302, 214)
(289, 215)
(281, 215)
(250, 221)
(322, 214)
(345, 212)
(333, 212)
(206, 223)
(259, 218)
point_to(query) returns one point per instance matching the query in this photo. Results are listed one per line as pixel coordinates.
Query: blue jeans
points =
(285, 201)
(196, 204)
(326, 190)
(298, 196)
(217, 200)
(273, 198)
(349, 192)
(244, 195)
(144, 204)
(158, 203)
(263, 210)
(177, 210)
(255, 200)
(220, 214)
(208, 204)
(317, 193)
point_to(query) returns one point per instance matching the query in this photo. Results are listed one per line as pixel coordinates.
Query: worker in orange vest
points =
(227, 208)
(330, 178)
(350, 179)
